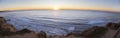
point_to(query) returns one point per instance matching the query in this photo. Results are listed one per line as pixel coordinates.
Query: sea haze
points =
(59, 22)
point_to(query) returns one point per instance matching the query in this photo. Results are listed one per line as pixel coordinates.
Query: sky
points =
(108, 5)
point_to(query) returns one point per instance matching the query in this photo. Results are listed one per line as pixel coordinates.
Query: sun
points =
(56, 8)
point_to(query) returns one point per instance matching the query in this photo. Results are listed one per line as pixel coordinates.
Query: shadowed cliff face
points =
(8, 31)
(4, 26)
(2, 20)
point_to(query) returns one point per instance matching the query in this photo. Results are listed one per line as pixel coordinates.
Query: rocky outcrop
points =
(94, 32)
(5, 28)
(113, 25)
(42, 34)
(2, 20)
(98, 32)
(8, 31)
(25, 33)
(69, 35)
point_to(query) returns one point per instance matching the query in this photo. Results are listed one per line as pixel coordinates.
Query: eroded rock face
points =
(8, 31)
(7, 27)
(113, 25)
(25, 35)
(4, 26)
(42, 34)
(2, 20)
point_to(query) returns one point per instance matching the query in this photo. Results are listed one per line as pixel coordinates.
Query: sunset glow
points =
(106, 5)
(56, 8)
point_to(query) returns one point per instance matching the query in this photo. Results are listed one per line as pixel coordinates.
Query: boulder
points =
(2, 20)
(42, 34)
(23, 31)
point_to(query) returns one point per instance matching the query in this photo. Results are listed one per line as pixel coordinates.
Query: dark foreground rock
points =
(25, 33)
(2, 20)
(114, 26)
(42, 34)
(94, 32)
(5, 28)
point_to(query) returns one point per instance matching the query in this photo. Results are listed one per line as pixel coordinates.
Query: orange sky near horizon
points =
(104, 5)
(62, 8)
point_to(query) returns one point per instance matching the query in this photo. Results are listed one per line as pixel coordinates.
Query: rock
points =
(8, 31)
(70, 36)
(56, 36)
(7, 27)
(94, 32)
(23, 31)
(76, 34)
(42, 34)
(25, 35)
(2, 20)
(113, 25)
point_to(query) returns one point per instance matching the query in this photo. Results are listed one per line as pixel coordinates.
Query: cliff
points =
(110, 31)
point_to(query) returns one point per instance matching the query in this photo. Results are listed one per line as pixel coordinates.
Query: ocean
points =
(59, 22)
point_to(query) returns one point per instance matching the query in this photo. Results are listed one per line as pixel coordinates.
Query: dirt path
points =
(109, 34)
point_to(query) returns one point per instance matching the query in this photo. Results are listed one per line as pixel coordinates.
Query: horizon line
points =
(58, 10)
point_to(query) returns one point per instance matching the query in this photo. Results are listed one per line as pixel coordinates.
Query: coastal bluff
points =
(9, 31)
